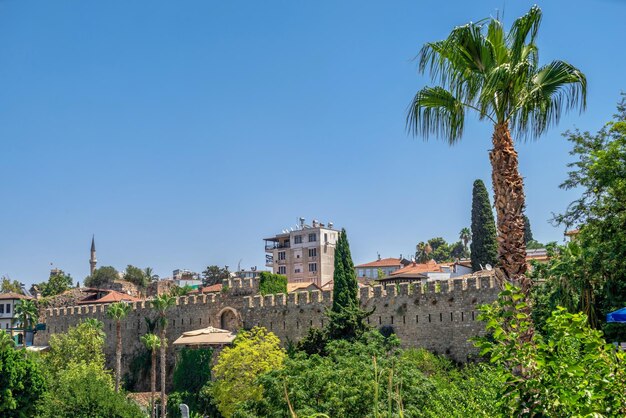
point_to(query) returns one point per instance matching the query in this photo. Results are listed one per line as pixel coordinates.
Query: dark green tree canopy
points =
(484, 246)
(136, 276)
(101, 277)
(214, 275)
(56, 284)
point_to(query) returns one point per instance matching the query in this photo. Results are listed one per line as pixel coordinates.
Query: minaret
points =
(92, 260)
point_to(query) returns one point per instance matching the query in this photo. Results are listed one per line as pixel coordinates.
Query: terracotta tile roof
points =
(384, 262)
(211, 289)
(13, 295)
(430, 266)
(294, 287)
(111, 296)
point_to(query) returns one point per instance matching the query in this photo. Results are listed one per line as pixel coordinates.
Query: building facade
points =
(385, 265)
(306, 254)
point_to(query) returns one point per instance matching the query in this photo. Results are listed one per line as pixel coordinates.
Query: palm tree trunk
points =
(163, 401)
(508, 187)
(153, 383)
(118, 355)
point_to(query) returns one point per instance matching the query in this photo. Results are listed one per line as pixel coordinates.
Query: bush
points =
(272, 284)
(21, 381)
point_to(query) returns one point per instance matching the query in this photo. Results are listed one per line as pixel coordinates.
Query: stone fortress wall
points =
(440, 318)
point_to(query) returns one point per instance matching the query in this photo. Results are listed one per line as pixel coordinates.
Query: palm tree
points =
(152, 343)
(481, 68)
(466, 236)
(27, 312)
(162, 303)
(118, 311)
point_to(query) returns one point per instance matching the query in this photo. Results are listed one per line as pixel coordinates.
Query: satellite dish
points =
(488, 267)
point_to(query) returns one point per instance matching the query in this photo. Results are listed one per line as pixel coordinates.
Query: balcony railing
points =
(276, 246)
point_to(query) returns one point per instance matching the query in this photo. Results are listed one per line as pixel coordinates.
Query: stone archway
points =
(229, 319)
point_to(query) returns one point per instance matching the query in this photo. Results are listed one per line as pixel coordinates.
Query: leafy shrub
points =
(272, 284)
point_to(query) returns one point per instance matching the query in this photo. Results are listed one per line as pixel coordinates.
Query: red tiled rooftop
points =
(111, 296)
(430, 266)
(13, 295)
(385, 262)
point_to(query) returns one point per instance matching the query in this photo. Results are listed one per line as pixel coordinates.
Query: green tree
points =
(423, 252)
(81, 343)
(22, 381)
(346, 316)
(528, 233)
(117, 312)
(10, 286)
(440, 250)
(482, 68)
(380, 274)
(152, 343)
(162, 304)
(56, 284)
(192, 373)
(27, 312)
(571, 371)
(598, 172)
(136, 276)
(214, 275)
(484, 247)
(458, 251)
(85, 390)
(465, 236)
(253, 353)
(272, 284)
(101, 277)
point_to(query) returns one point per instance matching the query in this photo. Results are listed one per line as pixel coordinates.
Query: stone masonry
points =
(440, 318)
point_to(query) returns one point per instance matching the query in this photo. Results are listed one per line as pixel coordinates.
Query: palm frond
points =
(523, 32)
(554, 90)
(497, 38)
(436, 111)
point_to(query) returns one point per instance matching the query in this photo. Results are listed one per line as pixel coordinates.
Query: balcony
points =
(276, 246)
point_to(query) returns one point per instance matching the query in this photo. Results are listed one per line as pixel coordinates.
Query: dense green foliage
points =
(484, 246)
(253, 353)
(82, 343)
(528, 233)
(7, 286)
(271, 284)
(371, 377)
(192, 373)
(56, 284)
(101, 277)
(22, 381)
(571, 371)
(439, 250)
(136, 276)
(597, 272)
(214, 275)
(85, 390)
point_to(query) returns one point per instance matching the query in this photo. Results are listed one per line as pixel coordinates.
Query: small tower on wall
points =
(92, 259)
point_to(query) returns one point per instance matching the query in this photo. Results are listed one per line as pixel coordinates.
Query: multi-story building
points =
(306, 254)
(384, 266)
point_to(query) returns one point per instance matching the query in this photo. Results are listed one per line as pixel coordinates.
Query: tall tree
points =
(422, 252)
(162, 303)
(27, 312)
(528, 233)
(117, 312)
(346, 316)
(56, 284)
(482, 68)
(484, 246)
(152, 343)
(214, 275)
(465, 236)
(102, 276)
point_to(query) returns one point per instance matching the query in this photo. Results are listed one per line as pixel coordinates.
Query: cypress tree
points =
(484, 246)
(528, 233)
(346, 316)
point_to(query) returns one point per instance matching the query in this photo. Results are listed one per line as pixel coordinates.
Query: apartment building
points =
(305, 254)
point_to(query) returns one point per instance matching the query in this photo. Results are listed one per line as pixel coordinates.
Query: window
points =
(2, 308)
(8, 308)
(282, 270)
(297, 270)
(297, 239)
(312, 252)
(282, 255)
(325, 237)
(312, 237)
(312, 267)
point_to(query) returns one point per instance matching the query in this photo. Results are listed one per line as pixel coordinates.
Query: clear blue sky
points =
(181, 133)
